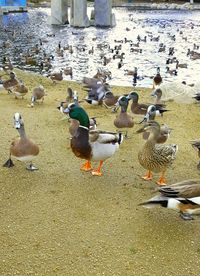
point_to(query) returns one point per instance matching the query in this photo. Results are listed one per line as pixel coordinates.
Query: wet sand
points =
(61, 221)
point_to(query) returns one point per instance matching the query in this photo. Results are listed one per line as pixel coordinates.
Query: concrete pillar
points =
(103, 13)
(78, 17)
(59, 12)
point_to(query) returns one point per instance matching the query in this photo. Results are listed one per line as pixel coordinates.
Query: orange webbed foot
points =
(86, 167)
(97, 173)
(161, 181)
(148, 176)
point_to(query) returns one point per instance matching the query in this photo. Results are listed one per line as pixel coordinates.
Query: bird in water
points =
(22, 149)
(95, 145)
(183, 196)
(157, 80)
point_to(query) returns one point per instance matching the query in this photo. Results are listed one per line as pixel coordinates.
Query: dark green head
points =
(123, 102)
(78, 113)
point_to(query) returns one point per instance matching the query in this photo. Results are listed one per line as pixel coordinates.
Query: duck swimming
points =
(92, 145)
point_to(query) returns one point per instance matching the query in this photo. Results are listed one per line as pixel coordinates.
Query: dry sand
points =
(61, 221)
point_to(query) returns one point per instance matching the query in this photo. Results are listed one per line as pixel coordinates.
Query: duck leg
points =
(185, 216)
(148, 176)
(31, 167)
(86, 166)
(162, 180)
(98, 170)
(9, 163)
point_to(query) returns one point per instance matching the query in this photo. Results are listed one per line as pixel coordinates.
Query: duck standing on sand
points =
(92, 145)
(23, 149)
(183, 196)
(196, 145)
(156, 157)
(38, 93)
(124, 120)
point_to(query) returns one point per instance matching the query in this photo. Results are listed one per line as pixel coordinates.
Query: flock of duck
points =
(91, 144)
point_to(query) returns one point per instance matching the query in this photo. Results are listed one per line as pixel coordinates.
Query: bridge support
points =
(59, 12)
(79, 16)
(103, 16)
(103, 13)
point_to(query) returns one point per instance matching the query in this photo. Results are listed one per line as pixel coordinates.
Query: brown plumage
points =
(196, 145)
(157, 80)
(23, 149)
(38, 93)
(10, 83)
(110, 99)
(155, 157)
(56, 77)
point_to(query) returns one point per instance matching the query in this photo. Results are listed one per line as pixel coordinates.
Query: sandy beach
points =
(61, 221)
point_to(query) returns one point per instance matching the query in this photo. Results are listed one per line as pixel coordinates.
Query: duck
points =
(172, 72)
(157, 80)
(140, 108)
(20, 90)
(156, 157)
(38, 93)
(68, 72)
(165, 132)
(183, 196)
(196, 144)
(152, 112)
(109, 99)
(57, 76)
(124, 120)
(158, 94)
(94, 145)
(23, 149)
(10, 83)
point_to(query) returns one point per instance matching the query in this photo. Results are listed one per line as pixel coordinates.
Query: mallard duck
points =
(140, 108)
(56, 76)
(165, 131)
(156, 157)
(157, 80)
(38, 93)
(124, 120)
(20, 90)
(10, 83)
(158, 94)
(196, 145)
(92, 145)
(183, 196)
(109, 99)
(23, 149)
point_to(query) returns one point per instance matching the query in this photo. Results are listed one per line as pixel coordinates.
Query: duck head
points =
(133, 95)
(78, 113)
(18, 121)
(150, 126)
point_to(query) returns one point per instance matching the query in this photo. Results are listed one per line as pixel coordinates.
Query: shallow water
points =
(32, 26)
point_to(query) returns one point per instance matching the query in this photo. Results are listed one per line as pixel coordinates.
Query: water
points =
(32, 26)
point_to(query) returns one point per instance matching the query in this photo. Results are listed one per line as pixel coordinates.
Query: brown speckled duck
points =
(124, 120)
(23, 149)
(183, 196)
(92, 145)
(156, 157)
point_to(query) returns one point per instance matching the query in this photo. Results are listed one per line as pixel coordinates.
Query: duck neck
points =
(153, 138)
(22, 132)
(123, 109)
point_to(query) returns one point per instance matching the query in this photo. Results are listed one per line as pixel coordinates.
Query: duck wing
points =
(167, 152)
(104, 137)
(184, 189)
